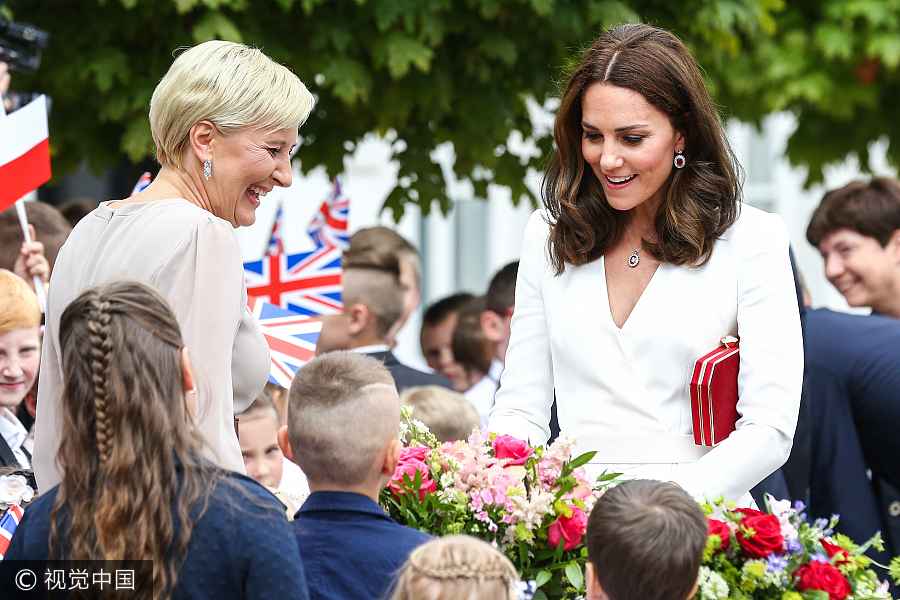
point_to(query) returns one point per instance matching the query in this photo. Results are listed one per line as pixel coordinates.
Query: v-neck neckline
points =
(636, 304)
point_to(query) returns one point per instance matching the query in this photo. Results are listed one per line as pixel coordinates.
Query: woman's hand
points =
(32, 262)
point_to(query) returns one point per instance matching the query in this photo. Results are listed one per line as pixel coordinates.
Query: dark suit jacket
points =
(405, 376)
(852, 387)
(351, 549)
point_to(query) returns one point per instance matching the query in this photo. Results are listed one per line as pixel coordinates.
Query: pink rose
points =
(414, 454)
(582, 490)
(506, 446)
(571, 529)
(410, 468)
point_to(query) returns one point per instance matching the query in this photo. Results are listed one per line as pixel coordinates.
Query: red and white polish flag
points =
(24, 151)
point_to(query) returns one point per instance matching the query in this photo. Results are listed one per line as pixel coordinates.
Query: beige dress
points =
(194, 259)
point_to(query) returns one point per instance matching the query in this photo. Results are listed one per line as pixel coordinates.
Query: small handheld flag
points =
(308, 283)
(142, 183)
(329, 226)
(24, 151)
(8, 525)
(291, 338)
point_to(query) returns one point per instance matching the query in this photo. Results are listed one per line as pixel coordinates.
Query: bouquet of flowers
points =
(778, 555)
(531, 502)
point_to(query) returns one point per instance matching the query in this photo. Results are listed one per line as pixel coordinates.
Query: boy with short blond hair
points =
(343, 431)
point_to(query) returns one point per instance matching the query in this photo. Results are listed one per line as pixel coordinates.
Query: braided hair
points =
(456, 566)
(126, 432)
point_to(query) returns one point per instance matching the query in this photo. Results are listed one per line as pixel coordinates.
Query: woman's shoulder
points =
(756, 223)
(538, 227)
(172, 214)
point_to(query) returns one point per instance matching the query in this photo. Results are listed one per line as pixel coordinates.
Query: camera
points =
(21, 45)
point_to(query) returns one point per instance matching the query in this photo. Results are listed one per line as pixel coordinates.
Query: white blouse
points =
(633, 381)
(193, 258)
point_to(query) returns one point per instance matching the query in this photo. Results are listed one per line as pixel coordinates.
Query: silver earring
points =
(207, 168)
(679, 160)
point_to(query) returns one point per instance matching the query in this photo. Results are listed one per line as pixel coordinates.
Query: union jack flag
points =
(8, 525)
(143, 182)
(308, 283)
(291, 338)
(275, 247)
(329, 226)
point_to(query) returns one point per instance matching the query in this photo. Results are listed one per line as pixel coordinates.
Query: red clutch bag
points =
(714, 393)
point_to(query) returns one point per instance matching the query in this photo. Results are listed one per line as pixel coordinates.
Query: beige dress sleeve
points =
(204, 279)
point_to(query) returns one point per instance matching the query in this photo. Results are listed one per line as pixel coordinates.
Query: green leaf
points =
(581, 460)
(539, 595)
(214, 25)
(399, 52)
(349, 79)
(814, 595)
(137, 141)
(542, 577)
(894, 569)
(575, 576)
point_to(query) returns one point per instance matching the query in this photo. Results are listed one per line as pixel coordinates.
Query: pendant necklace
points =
(634, 259)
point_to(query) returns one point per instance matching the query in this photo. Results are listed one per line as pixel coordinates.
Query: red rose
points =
(720, 528)
(832, 549)
(410, 468)
(817, 575)
(759, 534)
(570, 529)
(414, 454)
(506, 446)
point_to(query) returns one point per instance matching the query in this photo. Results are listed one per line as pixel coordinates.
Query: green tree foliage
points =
(835, 64)
(423, 73)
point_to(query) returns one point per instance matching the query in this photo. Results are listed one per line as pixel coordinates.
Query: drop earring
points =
(679, 160)
(207, 168)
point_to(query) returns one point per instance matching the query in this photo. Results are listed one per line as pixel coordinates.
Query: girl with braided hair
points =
(455, 567)
(134, 486)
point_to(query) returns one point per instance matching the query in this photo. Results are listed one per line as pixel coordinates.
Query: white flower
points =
(712, 586)
(780, 508)
(14, 489)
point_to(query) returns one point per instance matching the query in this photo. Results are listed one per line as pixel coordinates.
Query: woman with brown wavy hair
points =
(134, 486)
(642, 259)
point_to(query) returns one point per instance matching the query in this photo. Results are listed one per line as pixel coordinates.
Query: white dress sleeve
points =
(522, 405)
(771, 370)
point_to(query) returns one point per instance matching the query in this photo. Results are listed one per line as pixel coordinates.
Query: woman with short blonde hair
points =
(224, 119)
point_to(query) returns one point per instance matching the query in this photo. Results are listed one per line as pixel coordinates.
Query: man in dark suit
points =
(373, 301)
(852, 379)
(852, 385)
(342, 431)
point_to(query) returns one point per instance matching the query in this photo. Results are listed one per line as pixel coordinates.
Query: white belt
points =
(641, 449)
